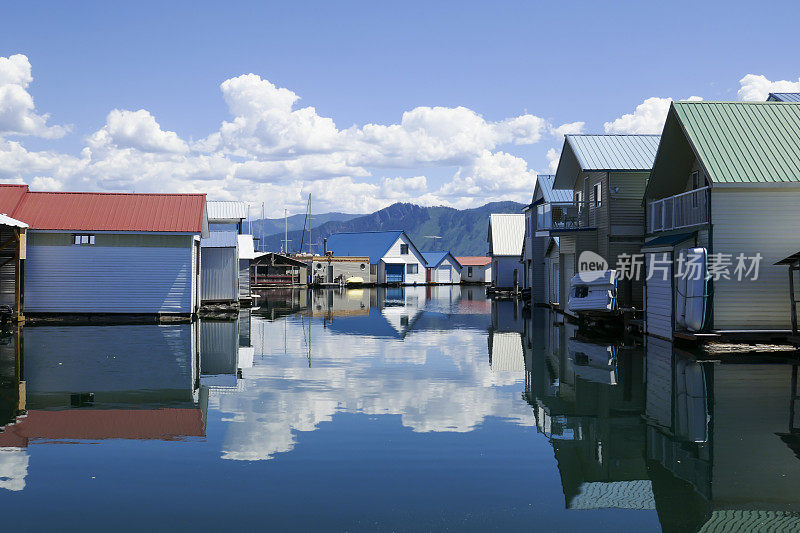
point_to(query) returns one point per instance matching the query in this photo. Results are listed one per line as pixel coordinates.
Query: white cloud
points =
(570, 128)
(757, 87)
(17, 110)
(553, 156)
(136, 129)
(648, 117)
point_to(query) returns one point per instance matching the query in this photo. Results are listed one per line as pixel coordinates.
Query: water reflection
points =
(629, 433)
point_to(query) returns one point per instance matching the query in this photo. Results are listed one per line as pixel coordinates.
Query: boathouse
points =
(220, 252)
(726, 181)
(537, 272)
(475, 269)
(506, 235)
(442, 268)
(246, 253)
(336, 270)
(109, 252)
(393, 258)
(276, 270)
(607, 175)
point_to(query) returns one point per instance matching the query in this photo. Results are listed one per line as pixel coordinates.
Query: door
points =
(428, 274)
(394, 272)
(330, 273)
(445, 274)
(658, 294)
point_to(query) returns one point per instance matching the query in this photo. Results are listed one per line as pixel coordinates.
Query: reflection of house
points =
(506, 235)
(219, 352)
(276, 270)
(220, 251)
(505, 352)
(109, 252)
(393, 258)
(333, 303)
(507, 315)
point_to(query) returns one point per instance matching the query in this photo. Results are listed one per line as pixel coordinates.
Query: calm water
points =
(403, 409)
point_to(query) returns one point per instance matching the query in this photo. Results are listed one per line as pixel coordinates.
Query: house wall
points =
(480, 274)
(626, 211)
(7, 274)
(393, 256)
(343, 269)
(244, 278)
(659, 300)
(455, 275)
(752, 220)
(120, 273)
(503, 267)
(551, 277)
(219, 275)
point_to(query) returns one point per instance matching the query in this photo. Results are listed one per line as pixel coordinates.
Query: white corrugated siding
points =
(507, 354)
(658, 298)
(750, 221)
(113, 279)
(219, 276)
(508, 232)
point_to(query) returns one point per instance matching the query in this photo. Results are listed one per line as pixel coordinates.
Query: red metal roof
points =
(91, 211)
(472, 260)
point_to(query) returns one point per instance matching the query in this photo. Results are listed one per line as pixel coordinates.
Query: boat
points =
(593, 291)
(354, 281)
(692, 294)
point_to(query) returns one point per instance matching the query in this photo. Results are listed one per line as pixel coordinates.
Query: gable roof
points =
(219, 210)
(10, 195)
(549, 194)
(97, 211)
(373, 244)
(434, 259)
(246, 247)
(783, 97)
(506, 233)
(735, 142)
(8, 221)
(604, 153)
(473, 260)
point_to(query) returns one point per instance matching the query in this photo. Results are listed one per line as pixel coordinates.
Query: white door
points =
(444, 274)
(658, 294)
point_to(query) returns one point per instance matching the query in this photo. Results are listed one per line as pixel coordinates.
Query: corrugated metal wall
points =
(7, 271)
(115, 279)
(219, 276)
(659, 298)
(750, 221)
(244, 278)
(219, 347)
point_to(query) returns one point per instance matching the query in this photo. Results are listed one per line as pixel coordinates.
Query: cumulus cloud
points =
(553, 156)
(757, 87)
(271, 147)
(570, 128)
(648, 117)
(17, 111)
(136, 129)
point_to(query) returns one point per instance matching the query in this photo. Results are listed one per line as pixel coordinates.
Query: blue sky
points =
(363, 63)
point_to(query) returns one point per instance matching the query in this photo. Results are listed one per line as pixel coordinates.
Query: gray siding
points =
(219, 347)
(749, 220)
(659, 300)
(244, 278)
(219, 274)
(626, 207)
(110, 279)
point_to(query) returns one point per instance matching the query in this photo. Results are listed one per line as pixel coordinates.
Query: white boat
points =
(593, 291)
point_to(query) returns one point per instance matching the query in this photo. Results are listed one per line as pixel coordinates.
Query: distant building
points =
(393, 258)
(442, 268)
(506, 235)
(475, 269)
(220, 252)
(783, 97)
(109, 252)
(337, 269)
(276, 270)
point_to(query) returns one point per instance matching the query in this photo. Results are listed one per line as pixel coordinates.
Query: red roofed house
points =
(475, 269)
(109, 252)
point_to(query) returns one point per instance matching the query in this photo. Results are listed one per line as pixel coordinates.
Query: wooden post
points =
(20, 255)
(792, 268)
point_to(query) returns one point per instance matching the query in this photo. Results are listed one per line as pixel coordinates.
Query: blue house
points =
(443, 267)
(393, 258)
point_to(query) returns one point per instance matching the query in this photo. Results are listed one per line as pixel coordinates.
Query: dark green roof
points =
(744, 142)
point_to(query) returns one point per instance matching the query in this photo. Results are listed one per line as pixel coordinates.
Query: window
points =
(598, 194)
(412, 268)
(83, 239)
(469, 271)
(403, 249)
(363, 266)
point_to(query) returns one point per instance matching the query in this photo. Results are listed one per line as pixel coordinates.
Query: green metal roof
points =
(743, 142)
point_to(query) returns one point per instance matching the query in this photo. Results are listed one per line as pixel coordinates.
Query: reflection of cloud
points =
(280, 395)
(13, 468)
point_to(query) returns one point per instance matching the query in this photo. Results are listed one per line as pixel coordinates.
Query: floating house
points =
(393, 258)
(607, 175)
(330, 269)
(220, 252)
(442, 268)
(247, 253)
(13, 241)
(475, 269)
(537, 272)
(109, 252)
(506, 235)
(726, 181)
(276, 270)
(783, 97)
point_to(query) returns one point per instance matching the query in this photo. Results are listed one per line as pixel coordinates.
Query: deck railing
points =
(566, 216)
(680, 211)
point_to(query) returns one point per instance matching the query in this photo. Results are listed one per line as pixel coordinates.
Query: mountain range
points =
(461, 231)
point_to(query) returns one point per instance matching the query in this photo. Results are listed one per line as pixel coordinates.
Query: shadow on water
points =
(451, 397)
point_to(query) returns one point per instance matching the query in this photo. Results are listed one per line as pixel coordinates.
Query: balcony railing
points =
(680, 211)
(566, 216)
